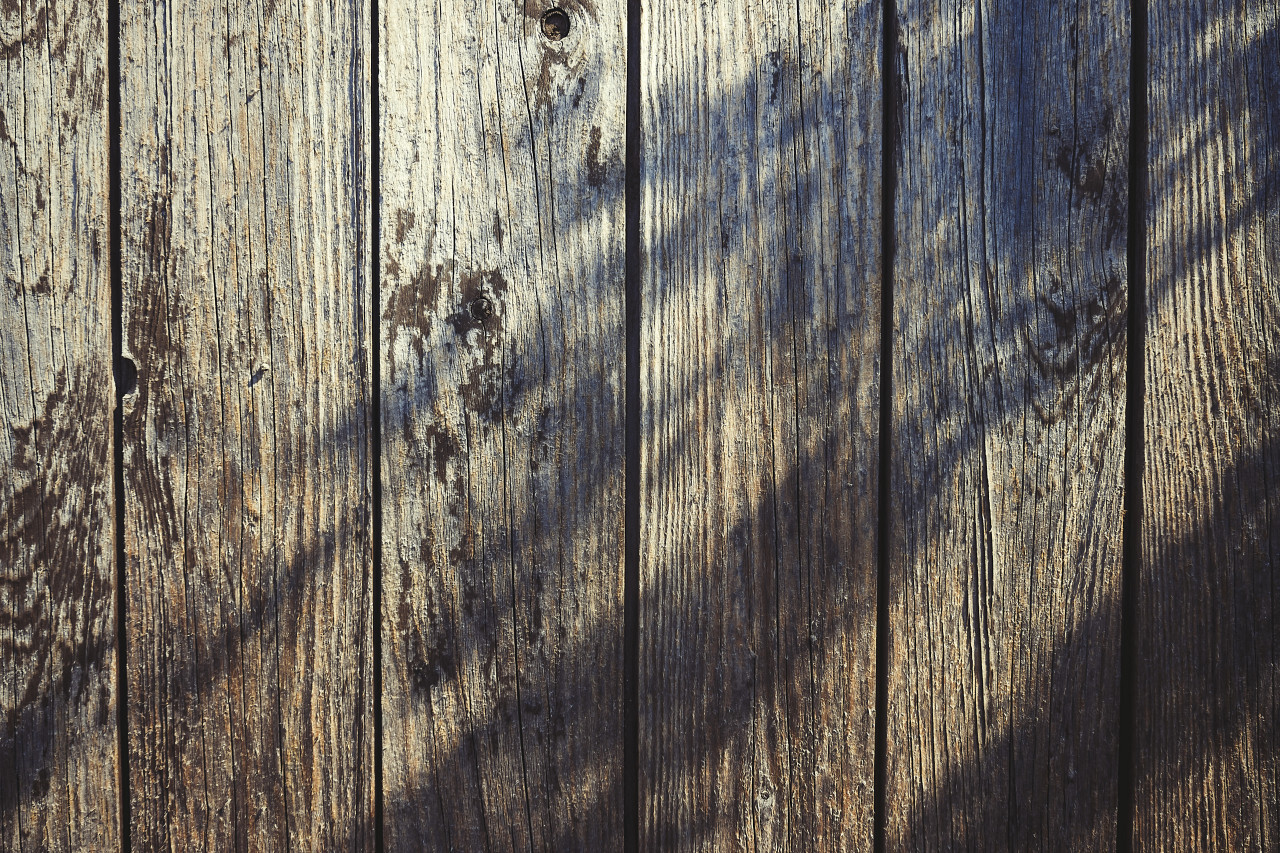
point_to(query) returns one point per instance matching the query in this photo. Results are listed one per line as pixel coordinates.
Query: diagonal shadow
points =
(303, 567)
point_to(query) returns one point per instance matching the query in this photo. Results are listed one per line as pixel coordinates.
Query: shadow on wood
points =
(1037, 765)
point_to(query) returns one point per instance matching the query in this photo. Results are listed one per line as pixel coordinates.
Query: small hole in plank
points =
(555, 24)
(126, 376)
(482, 309)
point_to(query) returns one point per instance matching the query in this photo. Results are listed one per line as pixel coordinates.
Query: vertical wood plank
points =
(1008, 420)
(503, 357)
(1208, 720)
(760, 358)
(58, 761)
(247, 438)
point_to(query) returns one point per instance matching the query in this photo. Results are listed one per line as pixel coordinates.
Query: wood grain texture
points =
(247, 309)
(58, 741)
(1008, 418)
(760, 359)
(1208, 713)
(503, 432)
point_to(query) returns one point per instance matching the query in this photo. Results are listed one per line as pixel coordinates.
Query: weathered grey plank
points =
(503, 358)
(760, 354)
(1207, 716)
(1008, 426)
(247, 310)
(58, 767)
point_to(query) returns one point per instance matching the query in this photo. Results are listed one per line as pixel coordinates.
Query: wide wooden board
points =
(503, 425)
(1009, 354)
(248, 313)
(1207, 728)
(59, 785)
(759, 381)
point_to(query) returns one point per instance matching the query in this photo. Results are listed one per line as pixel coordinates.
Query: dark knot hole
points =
(555, 24)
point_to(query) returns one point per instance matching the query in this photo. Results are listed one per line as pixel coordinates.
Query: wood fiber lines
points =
(759, 424)
(1208, 713)
(58, 762)
(503, 363)
(247, 440)
(1009, 387)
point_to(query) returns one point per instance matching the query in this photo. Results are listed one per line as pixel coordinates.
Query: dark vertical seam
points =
(507, 511)
(515, 609)
(631, 488)
(117, 360)
(1135, 366)
(888, 185)
(375, 262)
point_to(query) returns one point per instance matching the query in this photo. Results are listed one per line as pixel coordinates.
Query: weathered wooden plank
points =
(760, 354)
(247, 309)
(503, 357)
(1207, 714)
(1008, 426)
(58, 767)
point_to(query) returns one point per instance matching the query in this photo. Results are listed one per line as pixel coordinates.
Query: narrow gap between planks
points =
(888, 185)
(375, 231)
(124, 375)
(1135, 365)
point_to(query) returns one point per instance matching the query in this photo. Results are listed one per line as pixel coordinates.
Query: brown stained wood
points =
(1008, 426)
(1208, 658)
(58, 740)
(503, 425)
(247, 310)
(760, 359)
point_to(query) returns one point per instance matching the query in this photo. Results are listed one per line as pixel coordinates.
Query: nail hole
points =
(126, 376)
(555, 24)
(482, 309)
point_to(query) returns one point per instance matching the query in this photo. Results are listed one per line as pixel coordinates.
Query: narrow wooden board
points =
(58, 742)
(247, 441)
(503, 363)
(1207, 763)
(760, 360)
(1009, 353)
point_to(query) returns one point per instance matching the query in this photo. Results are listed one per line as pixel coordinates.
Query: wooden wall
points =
(639, 426)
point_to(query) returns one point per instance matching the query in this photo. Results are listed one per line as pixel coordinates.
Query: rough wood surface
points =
(503, 434)
(760, 358)
(247, 310)
(1008, 426)
(1208, 713)
(58, 770)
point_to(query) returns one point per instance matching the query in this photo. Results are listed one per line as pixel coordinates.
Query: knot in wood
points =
(555, 24)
